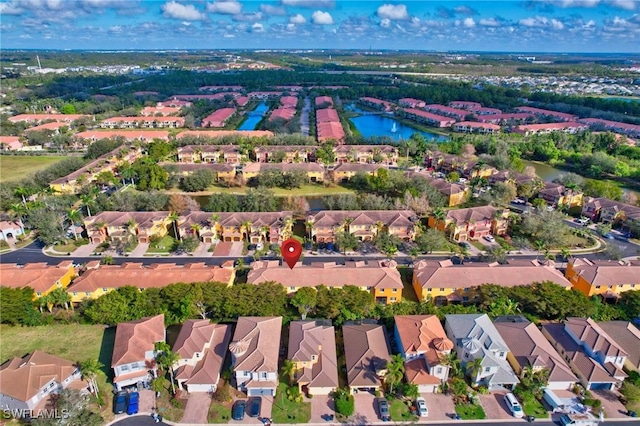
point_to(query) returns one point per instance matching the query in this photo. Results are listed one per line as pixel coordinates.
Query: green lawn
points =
(13, 167)
(219, 412)
(166, 409)
(470, 412)
(408, 293)
(533, 407)
(307, 190)
(162, 246)
(285, 411)
(400, 411)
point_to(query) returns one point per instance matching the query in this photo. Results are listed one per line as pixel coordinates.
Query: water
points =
(611, 98)
(548, 173)
(384, 125)
(254, 117)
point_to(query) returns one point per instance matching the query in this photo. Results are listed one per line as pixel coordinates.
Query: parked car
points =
(383, 406)
(423, 411)
(237, 412)
(489, 238)
(132, 405)
(120, 402)
(465, 245)
(513, 405)
(255, 404)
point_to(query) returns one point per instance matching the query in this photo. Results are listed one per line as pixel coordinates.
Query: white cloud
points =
(273, 10)
(557, 25)
(297, 19)
(10, 9)
(321, 18)
(541, 22)
(391, 11)
(624, 4)
(576, 3)
(464, 10)
(185, 12)
(248, 17)
(385, 23)
(225, 7)
(490, 22)
(308, 3)
(469, 22)
(257, 28)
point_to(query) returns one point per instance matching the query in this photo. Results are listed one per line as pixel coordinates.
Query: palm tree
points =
(19, 210)
(59, 297)
(540, 246)
(565, 253)
(474, 368)
(309, 227)
(127, 172)
(439, 215)
(24, 192)
(74, 216)
(195, 228)
(173, 218)
(214, 222)
(132, 225)
(379, 226)
(245, 228)
(287, 227)
(345, 224)
(451, 360)
(289, 370)
(44, 302)
(89, 370)
(88, 200)
(166, 359)
(264, 230)
(395, 371)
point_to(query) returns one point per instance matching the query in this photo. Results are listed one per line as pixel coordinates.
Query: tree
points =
(89, 200)
(395, 371)
(23, 192)
(173, 218)
(74, 216)
(346, 241)
(565, 253)
(503, 192)
(289, 370)
(431, 240)
(197, 181)
(474, 368)
(89, 370)
(344, 402)
(59, 297)
(188, 244)
(259, 199)
(223, 203)
(166, 360)
(305, 300)
(452, 361)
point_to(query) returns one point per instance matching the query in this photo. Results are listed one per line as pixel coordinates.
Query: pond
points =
(548, 173)
(254, 117)
(369, 125)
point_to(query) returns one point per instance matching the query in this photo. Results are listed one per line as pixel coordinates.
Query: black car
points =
(120, 402)
(237, 413)
(255, 404)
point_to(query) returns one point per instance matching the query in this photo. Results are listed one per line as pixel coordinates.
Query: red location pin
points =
(291, 251)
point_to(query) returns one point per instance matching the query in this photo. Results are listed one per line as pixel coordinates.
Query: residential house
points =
(254, 227)
(530, 351)
(128, 135)
(605, 278)
(445, 282)
(142, 122)
(558, 116)
(102, 279)
(40, 277)
(202, 348)
(507, 119)
(366, 350)
(475, 337)
(476, 127)
(627, 335)
(39, 118)
(283, 113)
(213, 134)
(537, 129)
(222, 172)
(364, 224)
(290, 153)
(134, 354)
(314, 171)
(160, 110)
(342, 173)
(421, 116)
(472, 223)
(366, 154)
(327, 115)
(53, 127)
(411, 103)
(254, 355)
(423, 344)
(632, 130)
(227, 154)
(218, 118)
(455, 193)
(379, 277)
(110, 226)
(466, 105)
(312, 349)
(609, 211)
(27, 383)
(203, 225)
(593, 355)
(11, 229)
(377, 104)
(320, 100)
(517, 179)
(10, 143)
(556, 195)
(458, 114)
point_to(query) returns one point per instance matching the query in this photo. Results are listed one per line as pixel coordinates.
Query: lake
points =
(254, 117)
(369, 125)
(548, 173)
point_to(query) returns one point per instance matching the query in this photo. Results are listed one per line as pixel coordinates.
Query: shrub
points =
(345, 404)
(176, 403)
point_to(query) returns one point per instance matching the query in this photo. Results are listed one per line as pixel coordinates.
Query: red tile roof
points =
(134, 338)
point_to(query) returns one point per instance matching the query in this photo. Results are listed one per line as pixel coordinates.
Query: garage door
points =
(600, 386)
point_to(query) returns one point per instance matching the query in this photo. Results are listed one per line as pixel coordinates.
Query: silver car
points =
(423, 411)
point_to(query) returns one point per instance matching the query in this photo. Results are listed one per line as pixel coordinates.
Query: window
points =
(467, 288)
(38, 294)
(87, 293)
(382, 290)
(369, 288)
(442, 289)
(487, 369)
(429, 289)
(124, 368)
(197, 355)
(453, 289)
(501, 354)
(439, 370)
(465, 298)
(395, 290)
(264, 375)
(104, 289)
(313, 357)
(75, 293)
(292, 288)
(393, 299)
(597, 287)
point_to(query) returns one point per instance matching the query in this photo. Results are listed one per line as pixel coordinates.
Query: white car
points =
(423, 411)
(489, 238)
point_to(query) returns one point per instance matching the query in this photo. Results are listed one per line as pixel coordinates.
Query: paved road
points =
(141, 420)
(304, 117)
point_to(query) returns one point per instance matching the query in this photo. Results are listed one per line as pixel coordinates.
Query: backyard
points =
(13, 167)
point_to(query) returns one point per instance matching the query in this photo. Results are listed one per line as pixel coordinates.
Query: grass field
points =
(13, 167)
(285, 411)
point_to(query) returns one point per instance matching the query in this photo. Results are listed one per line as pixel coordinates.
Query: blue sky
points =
(538, 25)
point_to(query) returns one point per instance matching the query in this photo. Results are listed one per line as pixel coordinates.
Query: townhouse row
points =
(493, 354)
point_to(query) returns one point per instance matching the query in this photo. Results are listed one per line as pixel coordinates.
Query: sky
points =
(513, 26)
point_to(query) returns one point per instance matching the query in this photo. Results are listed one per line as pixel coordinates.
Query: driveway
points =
(612, 406)
(236, 249)
(85, 250)
(147, 401)
(197, 408)
(265, 411)
(440, 406)
(365, 407)
(202, 250)
(222, 249)
(494, 405)
(320, 406)
(140, 250)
